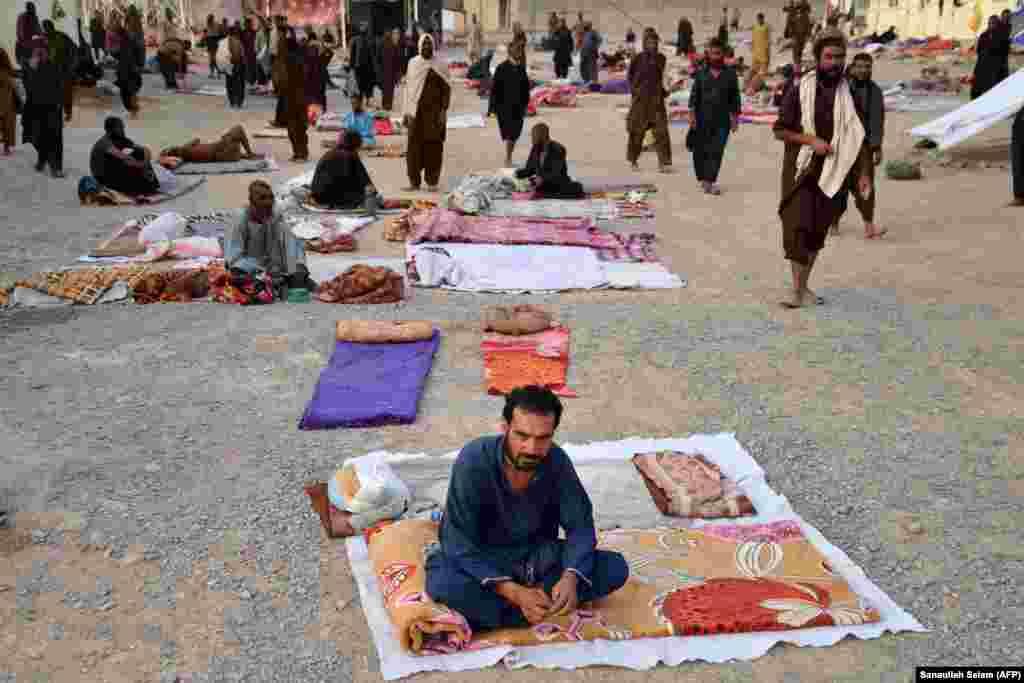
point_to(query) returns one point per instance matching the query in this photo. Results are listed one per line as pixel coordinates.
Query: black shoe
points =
(58, 173)
(40, 166)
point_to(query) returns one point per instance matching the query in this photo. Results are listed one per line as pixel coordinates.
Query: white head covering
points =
(500, 55)
(416, 76)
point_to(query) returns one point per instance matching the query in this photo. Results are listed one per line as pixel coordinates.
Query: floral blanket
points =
(541, 358)
(721, 578)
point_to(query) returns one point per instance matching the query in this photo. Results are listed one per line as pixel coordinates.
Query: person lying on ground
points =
(119, 164)
(360, 121)
(261, 241)
(500, 562)
(232, 146)
(341, 180)
(546, 167)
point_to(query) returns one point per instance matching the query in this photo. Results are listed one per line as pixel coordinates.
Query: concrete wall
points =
(10, 9)
(912, 20)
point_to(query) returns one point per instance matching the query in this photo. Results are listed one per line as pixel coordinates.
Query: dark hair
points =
(829, 40)
(110, 122)
(715, 42)
(259, 183)
(532, 399)
(351, 140)
(760, 15)
(863, 57)
(48, 26)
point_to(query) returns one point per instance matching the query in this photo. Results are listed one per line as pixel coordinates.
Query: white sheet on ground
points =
(531, 268)
(1001, 102)
(643, 653)
(500, 267)
(471, 120)
(314, 228)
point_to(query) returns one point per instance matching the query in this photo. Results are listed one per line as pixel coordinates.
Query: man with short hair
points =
(117, 163)
(500, 562)
(546, 167)
(44, 116)
(647, 110)
(799, 26)
(261, 241)
(714, 113)
(831, 156)
(871, 107)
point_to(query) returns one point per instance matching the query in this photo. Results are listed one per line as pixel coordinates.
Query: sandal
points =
(316, 489)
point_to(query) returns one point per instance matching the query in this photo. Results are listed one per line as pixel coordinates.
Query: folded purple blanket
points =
(368, 385)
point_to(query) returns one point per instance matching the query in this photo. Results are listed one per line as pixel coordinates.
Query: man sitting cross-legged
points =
(232, 146)
(119, 164)
(500, 562)
(341, 180)
(546, 168)
(262, 241)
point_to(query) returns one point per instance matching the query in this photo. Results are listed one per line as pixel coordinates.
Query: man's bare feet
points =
(666, 169)
(811, 297)
(432, 188)
(1018, 201)
(796, 301)
(871, 231)
(411, 188)
(634, 166)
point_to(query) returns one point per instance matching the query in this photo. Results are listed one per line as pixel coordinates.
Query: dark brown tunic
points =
(428, 132)
(806, 212)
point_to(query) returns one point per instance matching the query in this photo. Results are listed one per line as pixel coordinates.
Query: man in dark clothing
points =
(341, 180)
(547, 169)
(499, 561)
(63, 55)
(1017, 158)
(563, 50)
(798, 24)
(714, 114)
(295, 108)
(831, 155)
(117, 163)
(27, 27)
(871, 108)
(510, 98)
(363, 61)
(647, 110)
(45, 84)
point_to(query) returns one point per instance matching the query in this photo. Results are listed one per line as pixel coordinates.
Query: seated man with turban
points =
(119, 164)
(341, 180)
(261, 241)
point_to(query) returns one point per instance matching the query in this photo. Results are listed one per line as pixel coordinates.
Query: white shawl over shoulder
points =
(847, 136)
(416, 78)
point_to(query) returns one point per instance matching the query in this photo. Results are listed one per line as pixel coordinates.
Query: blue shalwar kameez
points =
(490, 534)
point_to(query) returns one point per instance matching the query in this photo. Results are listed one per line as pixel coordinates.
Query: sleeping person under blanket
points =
(500, 562)
(232, 146)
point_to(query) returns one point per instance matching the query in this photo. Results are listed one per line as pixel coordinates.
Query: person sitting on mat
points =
(360, 121)
(261, 241)
(546, 167)
(500, 562)
(232, 146)
(341, 180)
(117, 163)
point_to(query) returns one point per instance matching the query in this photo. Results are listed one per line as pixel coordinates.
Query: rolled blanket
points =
(516, 320)
(384, 331)
(421, 625)
(690, 485)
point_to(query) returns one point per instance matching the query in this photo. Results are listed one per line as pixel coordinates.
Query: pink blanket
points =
(443, 225)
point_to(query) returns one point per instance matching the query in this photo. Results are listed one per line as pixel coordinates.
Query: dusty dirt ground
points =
(96, 394)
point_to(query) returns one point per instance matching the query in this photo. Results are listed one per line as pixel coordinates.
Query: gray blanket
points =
(218, 167)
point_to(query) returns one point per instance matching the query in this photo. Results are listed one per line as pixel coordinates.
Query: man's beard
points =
(523, 463)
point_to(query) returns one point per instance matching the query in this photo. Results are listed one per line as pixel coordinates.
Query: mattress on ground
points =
(723, 578)
(367, 385)
(224, 167)
(541, 359)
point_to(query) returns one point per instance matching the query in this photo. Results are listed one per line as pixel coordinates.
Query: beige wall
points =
(913, 21)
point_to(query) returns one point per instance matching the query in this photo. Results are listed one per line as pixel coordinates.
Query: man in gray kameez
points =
(262, 241)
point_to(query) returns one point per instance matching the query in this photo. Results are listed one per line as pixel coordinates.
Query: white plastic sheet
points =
(999, 103)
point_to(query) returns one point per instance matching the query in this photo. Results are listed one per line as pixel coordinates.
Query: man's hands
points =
(536, 605)
(864, 186)
(563, 595)
(534, 602)
(734, 122)
(877, 156)
(691, 119)
(821, 148)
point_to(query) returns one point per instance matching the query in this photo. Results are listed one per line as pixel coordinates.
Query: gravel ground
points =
(892, 426)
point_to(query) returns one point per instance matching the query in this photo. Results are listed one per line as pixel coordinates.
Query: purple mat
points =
(616, 86)
(367, 385)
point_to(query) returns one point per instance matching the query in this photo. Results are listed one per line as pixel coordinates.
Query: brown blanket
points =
(363, 285)
(690, 485)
